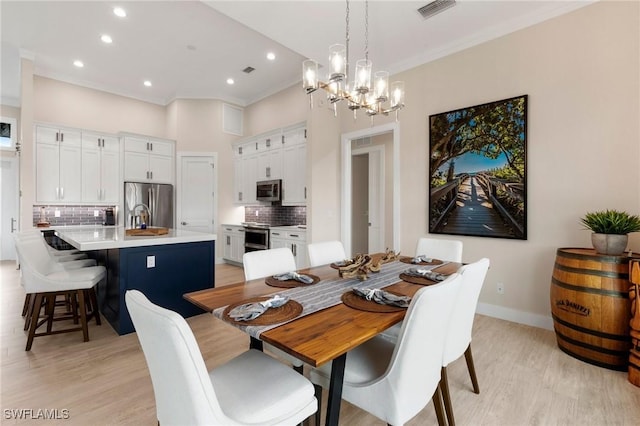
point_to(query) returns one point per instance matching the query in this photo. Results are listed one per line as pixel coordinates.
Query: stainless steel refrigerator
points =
(156, 198)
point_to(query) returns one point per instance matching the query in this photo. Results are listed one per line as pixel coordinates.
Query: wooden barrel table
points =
(590, 306)
(634, 296)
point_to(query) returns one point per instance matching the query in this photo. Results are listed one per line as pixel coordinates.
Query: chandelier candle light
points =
(372, 96)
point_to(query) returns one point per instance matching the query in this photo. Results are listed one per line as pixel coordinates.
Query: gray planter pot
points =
(611, 244)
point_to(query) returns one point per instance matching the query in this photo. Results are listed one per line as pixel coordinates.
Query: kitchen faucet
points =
(133, 215)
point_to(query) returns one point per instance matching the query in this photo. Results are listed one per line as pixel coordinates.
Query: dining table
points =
(325, 331)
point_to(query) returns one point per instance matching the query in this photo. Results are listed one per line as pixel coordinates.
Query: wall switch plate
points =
(56, 213)
(96, 213)
(151, 261)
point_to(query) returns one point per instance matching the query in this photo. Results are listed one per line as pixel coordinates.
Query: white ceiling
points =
(189, 48)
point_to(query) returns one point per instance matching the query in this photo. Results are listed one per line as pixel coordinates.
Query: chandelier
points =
(364, 92)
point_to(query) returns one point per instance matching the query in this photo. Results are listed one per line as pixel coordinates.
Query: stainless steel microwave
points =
(269, 190)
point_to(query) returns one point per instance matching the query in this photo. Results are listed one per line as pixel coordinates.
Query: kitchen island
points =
(163, 267)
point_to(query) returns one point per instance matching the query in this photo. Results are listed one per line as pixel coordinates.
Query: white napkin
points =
(421, 258)
(253, 310)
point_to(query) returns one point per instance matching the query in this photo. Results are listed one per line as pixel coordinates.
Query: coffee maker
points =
(109, 217)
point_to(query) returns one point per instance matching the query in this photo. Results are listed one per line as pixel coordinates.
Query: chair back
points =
(35, 263)
(414, 369)
(450, 250)
(461, 325)
(262, 263)
(181, 384)
(325, 252)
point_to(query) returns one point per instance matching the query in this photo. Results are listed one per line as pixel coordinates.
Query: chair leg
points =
(437, 404)
(472, 369)
(25, 307)
(446, 396)
(34, 319)
(49, 309)
(83, 315)
(94, 302)
(27, 316)
(318, 393)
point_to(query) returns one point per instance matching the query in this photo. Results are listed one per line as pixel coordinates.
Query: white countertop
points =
(109, 237)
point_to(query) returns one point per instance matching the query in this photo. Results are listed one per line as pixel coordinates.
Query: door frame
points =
(179, 157)
(346, 211)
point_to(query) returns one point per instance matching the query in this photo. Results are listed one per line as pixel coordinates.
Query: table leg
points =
(335, 390)
(255, 344)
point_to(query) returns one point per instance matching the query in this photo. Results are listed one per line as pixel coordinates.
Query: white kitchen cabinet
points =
(294, 173)
(245, 173)
(58, 160)
(293, 238)
(148, 160)
(100, 168)
(232, 242)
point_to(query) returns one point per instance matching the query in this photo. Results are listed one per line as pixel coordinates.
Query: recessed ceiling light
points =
(271, 56)
(147, 83)
(118, 11)
(78, 63)
(106, 38)
(230, 81)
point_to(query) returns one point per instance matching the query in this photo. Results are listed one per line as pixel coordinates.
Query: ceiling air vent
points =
(248, 70)
(435, 7)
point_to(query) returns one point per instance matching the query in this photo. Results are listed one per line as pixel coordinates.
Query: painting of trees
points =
(477, 162)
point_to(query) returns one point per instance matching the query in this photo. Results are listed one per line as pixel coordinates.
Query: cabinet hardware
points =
(305, 133)
(268, 172)
(268, 143)
(13, 229)
(151, 145)
(147, 146)
(294, 236)
(240, 150)
(227, 229)
(183, 223)
(240, 196)
(305, 192)
(57, 193)
(282, 139)
(61, 137)
(151, 174)
(256, 146)
(57, 136)
(228, 240)
(62, 193)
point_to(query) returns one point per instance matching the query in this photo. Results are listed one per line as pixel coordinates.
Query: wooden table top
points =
(324, 335)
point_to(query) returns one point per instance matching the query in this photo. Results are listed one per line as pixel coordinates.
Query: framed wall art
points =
(477, 170)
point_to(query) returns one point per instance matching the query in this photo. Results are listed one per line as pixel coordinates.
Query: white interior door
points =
(376, 202)
(9, 210)
(197, 186)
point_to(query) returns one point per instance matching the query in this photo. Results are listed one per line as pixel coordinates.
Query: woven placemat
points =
(286, 312)
(354, 301)
(273, 282)
(416, 280)
(408, 259)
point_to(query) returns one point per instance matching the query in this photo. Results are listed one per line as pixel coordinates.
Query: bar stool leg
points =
(34, 319)
(83, 315)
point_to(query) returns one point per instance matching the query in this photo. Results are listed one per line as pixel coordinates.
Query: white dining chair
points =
(325, 252)
(261, 264)
(394, 381)
(458, 340)
(442, 249)
(251, 389)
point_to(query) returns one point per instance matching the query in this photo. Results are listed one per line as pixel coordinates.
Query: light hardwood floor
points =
(524, 378)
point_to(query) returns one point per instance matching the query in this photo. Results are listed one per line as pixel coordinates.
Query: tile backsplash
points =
(276, 215)
(69, 215)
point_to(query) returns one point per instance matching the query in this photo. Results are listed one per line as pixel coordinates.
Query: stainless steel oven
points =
(256, 238)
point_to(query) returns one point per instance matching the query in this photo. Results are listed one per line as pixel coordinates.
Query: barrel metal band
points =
(599, 291)
(615, 352)
(610, 259)
(598, 273)
(622, 338)
(593, 362)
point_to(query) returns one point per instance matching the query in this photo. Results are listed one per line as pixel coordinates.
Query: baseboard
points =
(513, 315)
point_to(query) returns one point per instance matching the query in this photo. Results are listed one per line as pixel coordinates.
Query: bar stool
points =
(45, 279)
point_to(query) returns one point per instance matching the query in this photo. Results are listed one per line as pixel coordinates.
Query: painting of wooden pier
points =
(477, 170)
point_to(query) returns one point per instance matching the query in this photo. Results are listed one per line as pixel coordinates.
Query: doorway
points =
(9, 208)
(368, 222)
(347, 185)
(196, 200)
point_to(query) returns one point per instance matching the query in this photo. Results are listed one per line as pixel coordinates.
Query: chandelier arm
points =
(346, 79)
(366, 30)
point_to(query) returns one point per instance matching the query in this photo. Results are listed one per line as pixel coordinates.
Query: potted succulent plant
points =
(610, 230)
